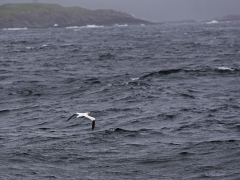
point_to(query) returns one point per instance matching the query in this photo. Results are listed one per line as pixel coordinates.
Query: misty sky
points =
(156, 10)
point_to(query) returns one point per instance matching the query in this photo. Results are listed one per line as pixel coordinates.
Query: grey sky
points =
(156, 10)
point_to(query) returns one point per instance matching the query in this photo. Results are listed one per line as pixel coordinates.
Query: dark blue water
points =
(166, 99)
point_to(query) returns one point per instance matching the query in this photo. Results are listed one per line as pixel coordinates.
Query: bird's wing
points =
(72, 117)
(89, 117)
(93, 125)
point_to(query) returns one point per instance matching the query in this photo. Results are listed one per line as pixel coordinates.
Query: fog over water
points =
(156, 10)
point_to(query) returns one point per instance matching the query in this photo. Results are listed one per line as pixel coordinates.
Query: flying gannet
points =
(79, 115)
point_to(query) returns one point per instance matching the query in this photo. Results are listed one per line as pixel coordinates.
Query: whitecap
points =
(134, 79)
(212, 22)
(43, 46)
(93, 26)
(222, 68)
(72, 27)
(29, 48)
(14, 29)
(121, 25)
(88, 26)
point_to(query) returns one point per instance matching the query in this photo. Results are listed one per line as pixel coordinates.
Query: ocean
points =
(166, 99)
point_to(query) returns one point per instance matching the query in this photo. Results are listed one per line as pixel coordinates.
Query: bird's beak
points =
(88, 113)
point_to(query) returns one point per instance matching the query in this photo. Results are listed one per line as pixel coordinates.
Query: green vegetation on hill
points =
(45, 15)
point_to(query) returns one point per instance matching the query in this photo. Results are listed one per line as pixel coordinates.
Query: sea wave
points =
(88, 26)
(14, 29)
(203, 70)
(166, 103)
(212, 22)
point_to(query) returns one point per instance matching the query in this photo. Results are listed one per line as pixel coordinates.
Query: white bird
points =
(79, 115)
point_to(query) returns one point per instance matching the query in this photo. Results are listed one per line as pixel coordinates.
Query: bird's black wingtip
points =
(93, 125)
(71, 117)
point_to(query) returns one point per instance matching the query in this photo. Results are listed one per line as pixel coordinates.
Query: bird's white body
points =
(79, 115)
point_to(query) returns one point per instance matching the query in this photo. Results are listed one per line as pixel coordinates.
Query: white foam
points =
(72, 27)
(222, 68)
(43, 46)
(212, 22)
(134, 79)
(14, 29)
(29, 48)
(88, 26)
(121, 25)
(93, 26)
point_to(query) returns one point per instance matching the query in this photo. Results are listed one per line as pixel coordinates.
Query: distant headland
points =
(229, 18)
(38, 15)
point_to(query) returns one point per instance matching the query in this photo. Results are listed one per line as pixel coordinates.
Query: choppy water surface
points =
(166, 99)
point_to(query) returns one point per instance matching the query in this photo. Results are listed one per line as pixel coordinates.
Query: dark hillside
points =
(46, 15)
